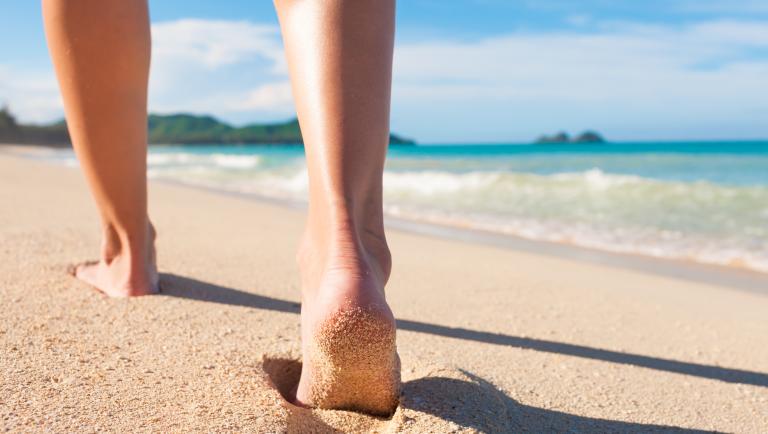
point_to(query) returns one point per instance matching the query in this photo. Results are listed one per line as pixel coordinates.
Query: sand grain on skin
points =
(355, 363)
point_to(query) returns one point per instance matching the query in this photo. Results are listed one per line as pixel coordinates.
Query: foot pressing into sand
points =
(348, 331)
(126, 268)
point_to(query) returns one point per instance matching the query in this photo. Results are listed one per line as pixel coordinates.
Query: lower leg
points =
(100, 50)
(340, 59)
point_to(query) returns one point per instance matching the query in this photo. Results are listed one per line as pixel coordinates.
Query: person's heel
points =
(355, 362)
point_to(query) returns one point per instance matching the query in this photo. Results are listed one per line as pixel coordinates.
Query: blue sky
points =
(465, 71)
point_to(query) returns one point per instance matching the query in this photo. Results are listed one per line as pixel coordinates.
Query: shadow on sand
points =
(436, 393)
(184, 287)
(469, 402)
(445, 397)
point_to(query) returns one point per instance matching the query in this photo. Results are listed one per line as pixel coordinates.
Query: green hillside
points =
(169, 129)
(191, 129)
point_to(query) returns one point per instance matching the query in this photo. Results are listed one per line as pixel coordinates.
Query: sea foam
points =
(677, 206)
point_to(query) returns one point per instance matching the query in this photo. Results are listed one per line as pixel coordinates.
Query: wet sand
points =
(491, 339)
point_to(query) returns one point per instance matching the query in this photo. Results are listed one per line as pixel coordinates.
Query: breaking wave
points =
(698, 221)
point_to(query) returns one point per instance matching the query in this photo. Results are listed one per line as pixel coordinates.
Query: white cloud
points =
(215, 43)
(207, 66)
(270, 96)
(32, 96)
(273, 99)
(578, 19)
(618, 70)
(622, 77)
(722, 6)
(197, 65)
(518, 61)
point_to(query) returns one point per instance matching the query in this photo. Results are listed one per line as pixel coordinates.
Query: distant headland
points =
(169, 130)
(563, 137)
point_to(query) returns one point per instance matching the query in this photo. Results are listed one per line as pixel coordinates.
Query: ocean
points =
(705, 202)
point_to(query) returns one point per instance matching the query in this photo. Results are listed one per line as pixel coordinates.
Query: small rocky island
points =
(563, 137)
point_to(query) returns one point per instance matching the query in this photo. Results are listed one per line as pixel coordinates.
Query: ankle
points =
(126, 267)
(132, 251)
(344, 242)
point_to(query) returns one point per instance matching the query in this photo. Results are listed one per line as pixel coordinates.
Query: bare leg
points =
(101, 50)
(340, 58)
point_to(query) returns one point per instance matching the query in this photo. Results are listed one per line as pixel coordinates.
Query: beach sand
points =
(491, 339)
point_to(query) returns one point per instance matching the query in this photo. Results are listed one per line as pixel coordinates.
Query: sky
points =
(466, 71)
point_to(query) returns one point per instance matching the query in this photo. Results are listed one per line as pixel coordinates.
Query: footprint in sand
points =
(433, 399)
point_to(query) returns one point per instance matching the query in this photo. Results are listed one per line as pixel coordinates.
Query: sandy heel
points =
(355, 362)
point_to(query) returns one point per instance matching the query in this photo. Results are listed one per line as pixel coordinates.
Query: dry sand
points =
(491, 339)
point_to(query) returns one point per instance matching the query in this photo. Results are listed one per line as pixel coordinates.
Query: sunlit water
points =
(705, 202)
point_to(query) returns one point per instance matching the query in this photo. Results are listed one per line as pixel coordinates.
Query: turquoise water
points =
(704, 202)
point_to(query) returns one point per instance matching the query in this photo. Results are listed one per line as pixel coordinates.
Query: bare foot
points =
(121, 273)
(348, 330)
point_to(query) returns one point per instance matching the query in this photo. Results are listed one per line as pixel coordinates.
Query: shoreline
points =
(709, 273)
(699, 272)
